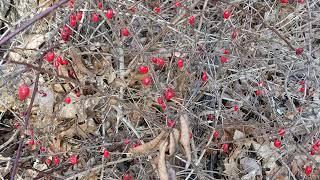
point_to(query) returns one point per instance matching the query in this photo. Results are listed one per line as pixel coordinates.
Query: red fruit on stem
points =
(171, 123)
(204, 76)
(105, 153)
(225, 147)
(301, 1)
(160, 62)
(163, 106)
(127, 177)
(64, 62)
(23, 92)
(315, 147)
(109, 13)
(169, 94)
(308, 170)
(146, 81)
(284, 2)
(50, 56)
(73, 20)
(235, 108)
(79, 15)
(301, 89)
(30, 142)
(154, 60)
(56, 160)
(258, 92)
(234, 34)
(157, 10)
(226, 51)
(67, 100)
(277, 143)
(42, 149)
(59, 59)
(178, 4)
(160, 100)
(73, 159)
(125, 32)
(71, 3)
(190, 135)
(65, 35)
(16, 125)
(223, 59)
(312, 152)
(78, 93)
(143, 69)
(226, 14)
(216, 134)
(180, 63)
(281, 132)
(301, 82)
(100, 5)
(299, 51)
(191, 20)
(95, 17)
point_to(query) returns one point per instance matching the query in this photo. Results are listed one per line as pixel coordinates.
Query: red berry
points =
(258, 92)
(56, 64)
(163, 106)
(65, 35)
(308, 170)
(59, 59)
(235, 108)
(105, 153)
(78, 93)
(216, 134)
(100, 5)
(71, 3)
(169, 94)
(127, 177)
(160, 62)
(226, 14)
(277, 143)
(73, 159)
(146, 81)
(204, 76)
(79, 15)
(67, 29)
(160, 100)
(284, 2)
(125, 32)
(73, 20)
(190, 135)
(191, 20)
(56, 160)
(157, 10)
(143, 69)
(109, 13)
(171, 123)
(154, 60)
(301, 89)
(226, 51)
(16, 125)
(317, 142)
(67, 100)
(281, 132)
(180, 63)
(95, 17)
(234, 34)
(30, 142)
(299, 51)
(64, 62)
(315, 147)
(223, 59)
(301, 1)
(178, 4)
(23, 92)
(50, 56)
(302, 83)
(225, 147)
(312, 152)
(42, 149)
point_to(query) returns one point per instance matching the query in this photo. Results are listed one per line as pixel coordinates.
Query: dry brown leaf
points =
(172, 145)
(163, 174)
(149, 146)
(77, 60)
(184, 138)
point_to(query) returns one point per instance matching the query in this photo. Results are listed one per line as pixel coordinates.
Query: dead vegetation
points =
(247, 70)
